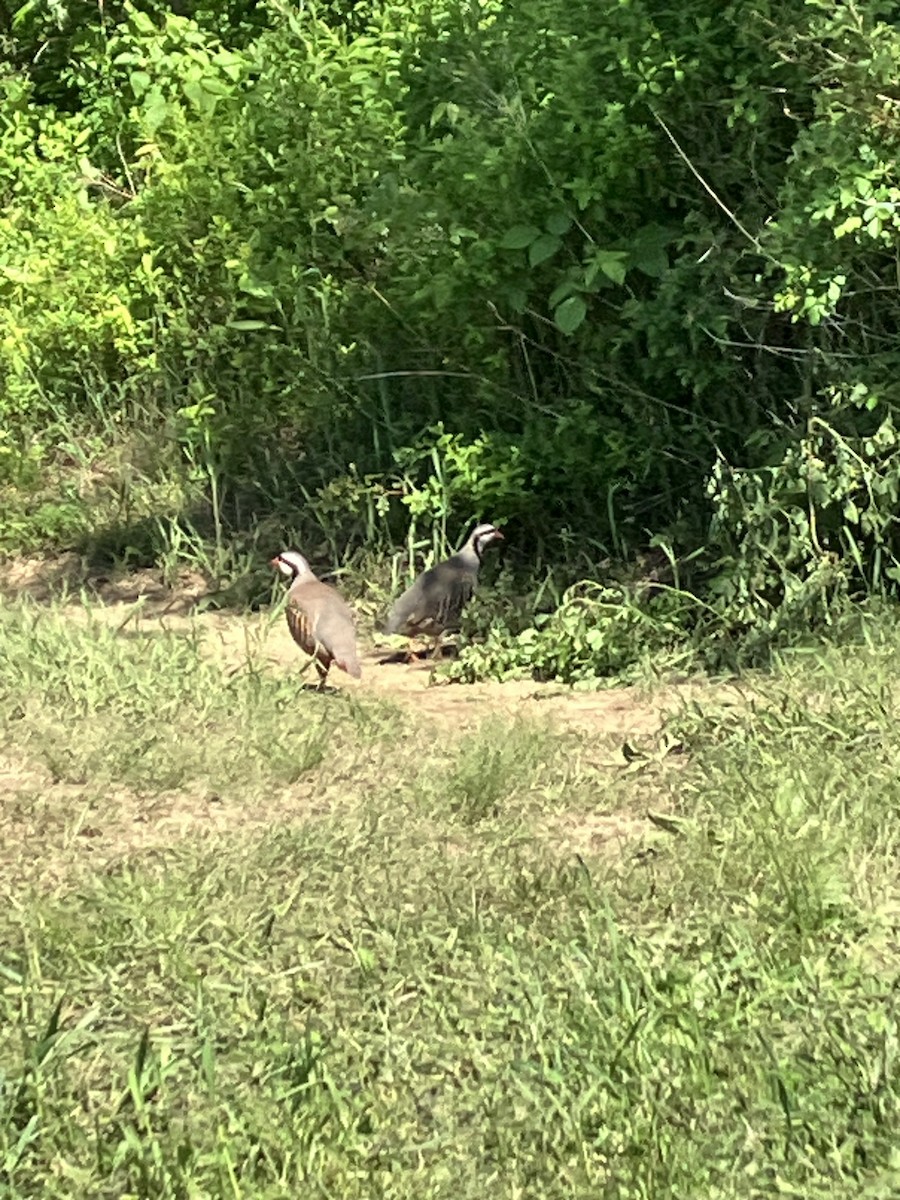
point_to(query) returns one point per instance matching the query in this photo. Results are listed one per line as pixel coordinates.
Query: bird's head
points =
(483, 536)
(291, 564)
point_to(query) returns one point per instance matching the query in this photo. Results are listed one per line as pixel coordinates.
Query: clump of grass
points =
(149, 709)
(490, 766)
(795, 784)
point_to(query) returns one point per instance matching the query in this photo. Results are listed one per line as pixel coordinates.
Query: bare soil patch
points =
(73, 826)
(141, 604)
(598, 835)
(57, 578)
(49, 830)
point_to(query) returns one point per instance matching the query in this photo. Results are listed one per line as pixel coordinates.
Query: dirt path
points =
(80, 827)
(141, 602)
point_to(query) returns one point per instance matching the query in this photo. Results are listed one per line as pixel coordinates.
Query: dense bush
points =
(618, 277)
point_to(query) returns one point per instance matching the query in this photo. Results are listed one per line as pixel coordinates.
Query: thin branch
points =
(706, 187)
(406, 374)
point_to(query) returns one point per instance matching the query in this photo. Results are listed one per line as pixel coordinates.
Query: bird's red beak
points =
(273, 562)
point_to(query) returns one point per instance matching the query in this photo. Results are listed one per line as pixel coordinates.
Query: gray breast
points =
(433, 604)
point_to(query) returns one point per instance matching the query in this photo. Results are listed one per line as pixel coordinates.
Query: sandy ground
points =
(140, 602)
(77, 826)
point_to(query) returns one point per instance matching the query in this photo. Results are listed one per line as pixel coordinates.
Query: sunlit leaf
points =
(570, 314)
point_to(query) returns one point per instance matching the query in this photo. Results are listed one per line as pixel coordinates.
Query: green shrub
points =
(368, 275)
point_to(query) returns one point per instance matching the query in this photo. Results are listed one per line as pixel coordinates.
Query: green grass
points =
(387, 972)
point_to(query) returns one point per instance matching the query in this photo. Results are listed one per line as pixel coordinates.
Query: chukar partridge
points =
(320, 620)
(433, 604)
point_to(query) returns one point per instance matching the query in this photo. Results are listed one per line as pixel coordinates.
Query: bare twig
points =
(754, 241)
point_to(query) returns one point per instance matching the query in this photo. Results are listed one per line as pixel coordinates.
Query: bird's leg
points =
(323, 675)
(435, 657)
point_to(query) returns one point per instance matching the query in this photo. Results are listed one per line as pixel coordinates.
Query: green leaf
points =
(542, 248)
(197, 94)
(648, 251)
(566, 288)
(519, 237)
(612, 264)
(654, 265)
(246, 326)
(517, 297)
(850, 225)
(559, 223)
(570, 314)
(215, 86)
(141, 22)
(139, 81)
(21, 13)
(155, 110)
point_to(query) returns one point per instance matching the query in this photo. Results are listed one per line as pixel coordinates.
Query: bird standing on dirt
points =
(433, 604)
(320, 620)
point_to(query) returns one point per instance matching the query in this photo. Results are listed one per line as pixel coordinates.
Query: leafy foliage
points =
(597, 631)
(379, 270)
